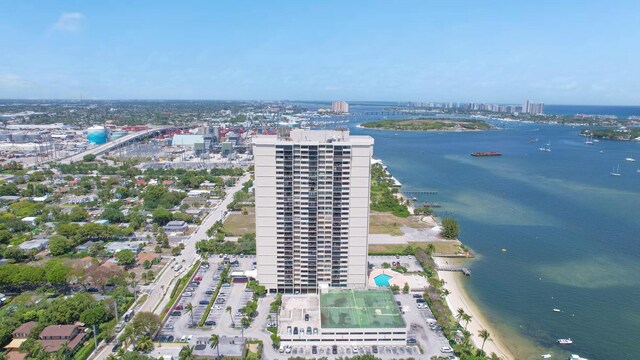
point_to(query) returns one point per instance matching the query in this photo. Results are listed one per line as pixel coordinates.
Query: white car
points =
(446, 349)
(281, 350)
(288, 349)
(355, 349)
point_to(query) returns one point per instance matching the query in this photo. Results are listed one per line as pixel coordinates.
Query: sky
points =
(557, 52)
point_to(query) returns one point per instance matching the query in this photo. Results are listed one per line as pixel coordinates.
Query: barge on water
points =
(486, 153)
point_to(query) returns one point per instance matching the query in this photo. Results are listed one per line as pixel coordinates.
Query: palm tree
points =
(459, 314)
(484, 334)
(431, 249)
(214, 340)
(244, 323)
(444, 293)
(186, 353)
(467, 319)
(189, 309)
(228, 309)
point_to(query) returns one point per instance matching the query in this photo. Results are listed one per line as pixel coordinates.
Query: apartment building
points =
(312, 209)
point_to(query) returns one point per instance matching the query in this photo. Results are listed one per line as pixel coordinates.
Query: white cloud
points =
(70, 22)
(10, 81)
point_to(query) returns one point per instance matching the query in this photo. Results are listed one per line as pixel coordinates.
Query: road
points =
(104, 148)
(163, 284)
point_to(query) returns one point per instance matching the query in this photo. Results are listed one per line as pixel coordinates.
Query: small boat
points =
(576, 357)
(414, 198)
(556, 310)
(566, 341)
(546, 356)
(630, 159)
(615, 172)
(504, 250)
(534, 140)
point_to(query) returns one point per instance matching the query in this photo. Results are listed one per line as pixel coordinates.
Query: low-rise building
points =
(35, 244)
(176, 226)
(114, 247)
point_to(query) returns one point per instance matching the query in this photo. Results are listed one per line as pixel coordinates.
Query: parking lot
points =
(327, 350)
(180, 327)
(422, 326)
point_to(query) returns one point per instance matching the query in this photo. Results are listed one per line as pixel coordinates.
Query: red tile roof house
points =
(52, 337)
(23, 331)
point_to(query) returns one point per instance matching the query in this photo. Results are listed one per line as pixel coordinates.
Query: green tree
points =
(467, 319)
(162, 216)
(228, 309)
(78, 214)
(405, 288)
(450, 228)
(189, 309)
(59, 245)
(114, 216)
(484, 334)
(214, 341)
(56, 272)
(460, 314)
(145, 324)
(125, 257)
(89, 158)
(186, 353)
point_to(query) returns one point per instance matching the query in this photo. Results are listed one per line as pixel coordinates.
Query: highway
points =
(163, 284)
(104, 148)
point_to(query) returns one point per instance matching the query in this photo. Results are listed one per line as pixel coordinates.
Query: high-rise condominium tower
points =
(312, 209)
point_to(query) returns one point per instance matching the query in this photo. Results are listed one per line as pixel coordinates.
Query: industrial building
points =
(312, 209)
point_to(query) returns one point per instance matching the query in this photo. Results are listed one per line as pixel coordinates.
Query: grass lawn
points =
(237, 224)
(386, 223)
(446, 247)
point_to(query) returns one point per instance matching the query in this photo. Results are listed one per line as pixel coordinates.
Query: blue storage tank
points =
(98, 134)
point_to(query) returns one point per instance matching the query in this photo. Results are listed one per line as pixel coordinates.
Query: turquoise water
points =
(571, 230)
(382, 280)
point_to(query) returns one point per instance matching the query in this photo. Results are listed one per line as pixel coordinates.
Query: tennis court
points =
(359, 309)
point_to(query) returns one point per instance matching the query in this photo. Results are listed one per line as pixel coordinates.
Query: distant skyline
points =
(556, 52)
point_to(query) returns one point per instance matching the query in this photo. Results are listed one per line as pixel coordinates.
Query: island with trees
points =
(621, 134)
(429, 124)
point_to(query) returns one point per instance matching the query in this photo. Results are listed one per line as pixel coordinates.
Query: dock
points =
(420, 192)
(461, 269)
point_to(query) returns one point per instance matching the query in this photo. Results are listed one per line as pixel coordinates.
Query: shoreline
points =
(458, 298)
(359, 126)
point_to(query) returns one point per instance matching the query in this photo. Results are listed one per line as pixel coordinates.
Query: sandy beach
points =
(458, 298)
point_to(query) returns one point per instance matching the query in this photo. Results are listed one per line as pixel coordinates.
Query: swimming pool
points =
(382, 280)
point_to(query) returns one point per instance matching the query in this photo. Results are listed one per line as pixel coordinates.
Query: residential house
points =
(35, 244)
(54, 336)
(114, 247)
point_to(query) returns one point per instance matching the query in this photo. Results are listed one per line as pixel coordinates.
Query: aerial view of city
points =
(319, 180)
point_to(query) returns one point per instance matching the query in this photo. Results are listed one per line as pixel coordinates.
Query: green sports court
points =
(359, 309)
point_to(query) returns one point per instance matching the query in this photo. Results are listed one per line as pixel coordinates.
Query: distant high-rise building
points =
(532, 108)
(340, 107)
(312, 192)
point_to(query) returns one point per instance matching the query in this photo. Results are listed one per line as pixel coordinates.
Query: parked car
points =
(176, 313)
(374, 349)
(198, 279)
(168, 326)
(210, 323)
(411, 341)
(315, 331)
(178, 307)
(306, 317)
(355, 349)
(295, 330)
(446, 349)
(209, 292)
(417, 296)
(288, 349)
(187, 294)
(334, 349)
(314, 349)
(308, 330)
(116, 347)
(281, 350)
(288, 330)
(203, 302)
